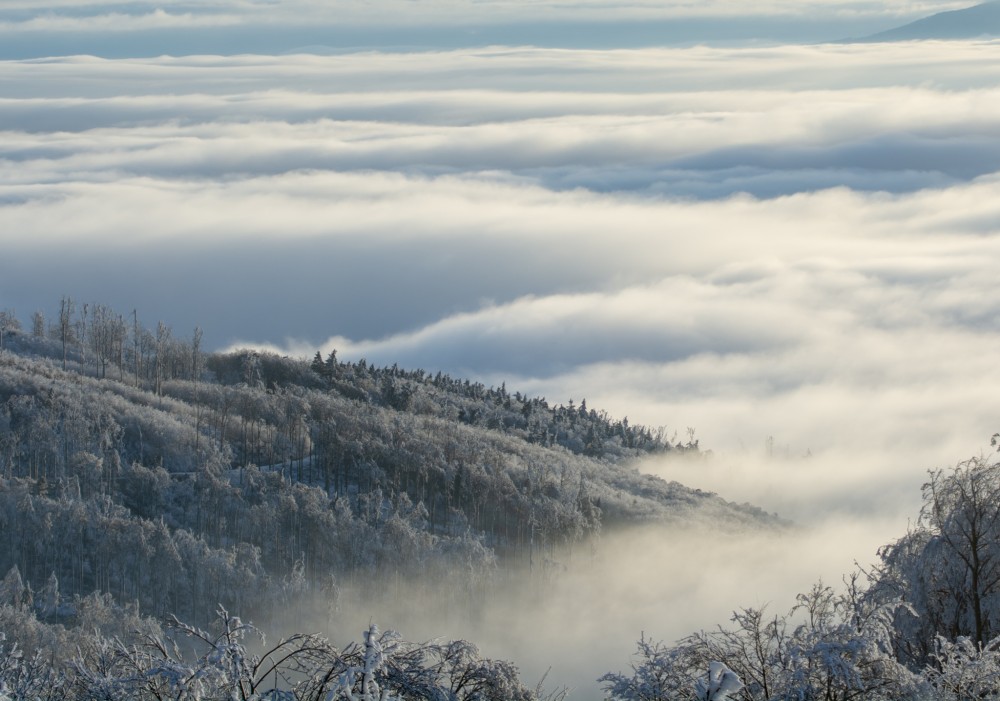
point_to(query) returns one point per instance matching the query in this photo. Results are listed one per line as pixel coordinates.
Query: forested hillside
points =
(137, 465)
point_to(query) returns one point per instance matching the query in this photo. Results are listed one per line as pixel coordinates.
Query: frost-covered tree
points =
(962, 510)
(386, 667)
(13, 591)
(828, 647)
(662, 673)
(187, 663)
(38, 325)
(844, 648)
(8, 324)
(948, 565)
(27, 676)
(964, 670)
(659, 673)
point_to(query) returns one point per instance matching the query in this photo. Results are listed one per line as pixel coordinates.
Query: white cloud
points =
(61, 15)
(553, 82)
(117, 22)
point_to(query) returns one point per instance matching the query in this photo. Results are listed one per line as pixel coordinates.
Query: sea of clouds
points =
(792, 249)
(113, 28)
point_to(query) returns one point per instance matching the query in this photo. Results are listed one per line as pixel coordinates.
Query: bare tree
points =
(102, 337)
(162, 341)
(119, 334)
(135, 344)
(65, 329)
(197, 357)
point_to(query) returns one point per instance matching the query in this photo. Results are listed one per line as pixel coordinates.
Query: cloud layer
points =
(180, 27)
(525, 212)
(70, 15)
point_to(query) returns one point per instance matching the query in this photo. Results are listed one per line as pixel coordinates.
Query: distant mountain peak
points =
(981, 20)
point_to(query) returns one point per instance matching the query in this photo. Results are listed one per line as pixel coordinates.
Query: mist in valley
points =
(579, 612)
